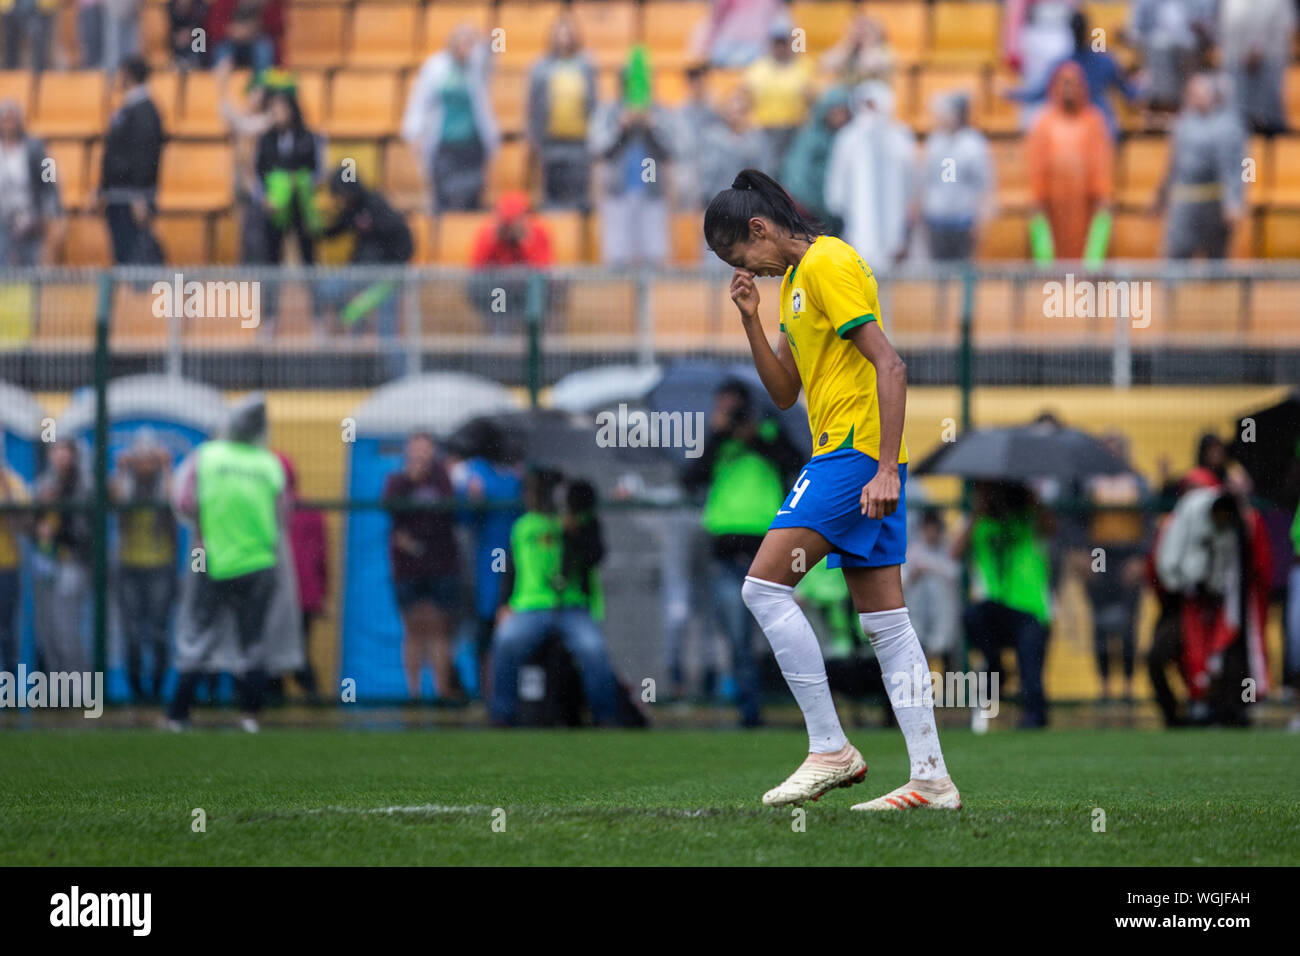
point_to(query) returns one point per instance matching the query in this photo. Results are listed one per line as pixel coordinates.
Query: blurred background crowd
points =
(475, 226)
(595, 131)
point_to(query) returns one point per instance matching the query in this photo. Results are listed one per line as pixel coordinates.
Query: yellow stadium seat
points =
(608, 28)
(1206, 311)
(509, 101)
(315, 35)
(66, 313)
(1143, 162)
(441, 18)
(508, 169)
(70, 171)
(200, 115)
(669, 29)
(225, 239)
(184, 238)
(670, 85)
(965, 30)
(1272, 314)
(311, 93)
(915, 308)
(363, 104)
(1292, 96)
(1012, 172)
(1244, 238)
(527, 29)
(823, 23)
(567, 232)
(403, 178)
(422, 235)
(601, 310)
(996, 113)
(687, 239)
(680, 311)
(905, 25)
(196, 177)
(17, 85)
(1005, 238)
(385, 35)
(996, 318)
(1282, 174)
(70, 104)
(133, 324)
(1257, 173)
(1136, 235)
(1280, 234)
(455, 233)
(86, 242)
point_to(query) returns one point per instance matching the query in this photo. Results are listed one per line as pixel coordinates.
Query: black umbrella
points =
(1021, 453)
(1272, 456)
(691, 386)
(567, 442)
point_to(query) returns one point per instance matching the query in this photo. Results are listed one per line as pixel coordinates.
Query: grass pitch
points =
(316, 797)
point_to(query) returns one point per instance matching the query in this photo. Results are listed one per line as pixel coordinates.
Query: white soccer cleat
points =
(249, 725)
(818, 774)
(917, 795)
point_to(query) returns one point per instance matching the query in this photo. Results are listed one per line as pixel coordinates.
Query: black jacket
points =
(132, 149)
(382, 235)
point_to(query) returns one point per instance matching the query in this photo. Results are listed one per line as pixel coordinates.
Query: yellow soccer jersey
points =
(827, 295)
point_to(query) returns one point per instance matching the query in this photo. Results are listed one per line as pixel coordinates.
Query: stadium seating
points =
(196, 177)
(385, 35)
(70, 104)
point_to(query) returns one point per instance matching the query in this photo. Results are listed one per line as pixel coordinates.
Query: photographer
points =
(747, 466)
(513, 240)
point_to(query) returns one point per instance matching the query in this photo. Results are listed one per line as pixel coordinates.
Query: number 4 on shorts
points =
(800, 486)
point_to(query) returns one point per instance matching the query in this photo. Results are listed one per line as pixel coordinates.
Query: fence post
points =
(966, 372)
(534, 307)
(100, 514)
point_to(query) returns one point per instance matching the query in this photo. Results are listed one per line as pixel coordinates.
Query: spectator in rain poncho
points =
(239, 607)
(803, 174)
(1203, 187)
(870, 178)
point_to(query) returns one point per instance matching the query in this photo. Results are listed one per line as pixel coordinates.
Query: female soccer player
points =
(848, 502)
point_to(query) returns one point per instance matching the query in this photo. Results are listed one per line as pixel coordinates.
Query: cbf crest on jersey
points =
(796, 301)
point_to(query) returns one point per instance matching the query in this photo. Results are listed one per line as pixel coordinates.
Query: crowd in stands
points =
(637, 153)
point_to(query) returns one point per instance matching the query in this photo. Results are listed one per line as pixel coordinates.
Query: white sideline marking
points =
(426, 808)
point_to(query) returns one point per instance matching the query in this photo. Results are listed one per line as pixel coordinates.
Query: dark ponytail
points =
(753, 193)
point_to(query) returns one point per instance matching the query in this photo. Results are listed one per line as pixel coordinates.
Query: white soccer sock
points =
(906, 674)
(800, 658)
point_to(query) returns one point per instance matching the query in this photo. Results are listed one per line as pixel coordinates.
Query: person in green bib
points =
(1006, 541)
(538, 601)
(747, 466)
(235, 494)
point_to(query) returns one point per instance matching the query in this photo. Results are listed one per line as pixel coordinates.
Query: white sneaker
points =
(249, 725)
(818, 774)
(917, 795)
(175, 726)
(979, 722)
(1294, 725)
